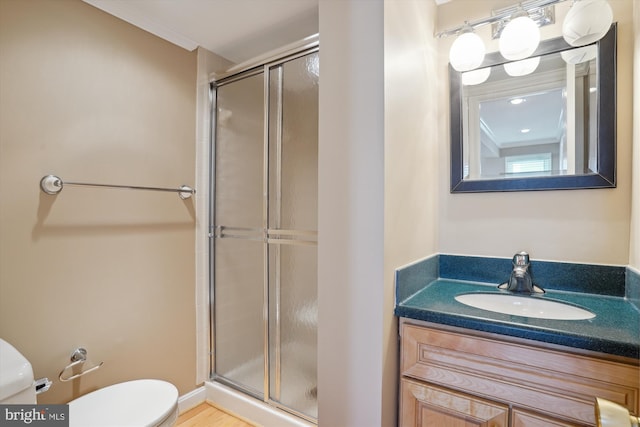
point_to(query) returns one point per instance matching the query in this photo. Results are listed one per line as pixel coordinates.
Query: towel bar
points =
(52, 184)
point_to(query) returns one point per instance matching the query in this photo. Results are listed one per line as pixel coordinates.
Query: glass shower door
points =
(239, 250)
(293, 195)
(265, 233)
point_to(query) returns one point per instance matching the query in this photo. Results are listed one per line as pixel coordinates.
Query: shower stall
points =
(263, 231)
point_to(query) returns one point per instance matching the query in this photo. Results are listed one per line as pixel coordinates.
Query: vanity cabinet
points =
(452, 377)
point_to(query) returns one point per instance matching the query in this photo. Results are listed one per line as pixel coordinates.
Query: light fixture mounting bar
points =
(541, 15)
(500, 15)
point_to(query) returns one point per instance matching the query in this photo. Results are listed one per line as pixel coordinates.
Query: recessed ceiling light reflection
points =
(525, 130)
(517, 101)
(476, 77)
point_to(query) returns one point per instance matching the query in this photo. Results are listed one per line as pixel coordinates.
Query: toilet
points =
(148, 403)
(138, 403)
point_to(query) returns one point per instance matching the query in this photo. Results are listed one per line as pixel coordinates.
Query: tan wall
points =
(411, 156)
(91, 98)
(634, 250)
(411, 131)
(576, 225)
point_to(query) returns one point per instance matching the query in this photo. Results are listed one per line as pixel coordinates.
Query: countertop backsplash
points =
(597, 279)
(632, 287)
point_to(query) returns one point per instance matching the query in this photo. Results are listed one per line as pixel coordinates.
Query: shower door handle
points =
(243, 233)
(292, 237)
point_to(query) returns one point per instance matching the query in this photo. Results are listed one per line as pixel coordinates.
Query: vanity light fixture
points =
(520, 38)
(579, 55)
(586, 22)
(522, 67)
(475, 77)
(467, 51)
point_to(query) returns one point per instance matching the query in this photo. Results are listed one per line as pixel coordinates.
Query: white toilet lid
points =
(139, 403)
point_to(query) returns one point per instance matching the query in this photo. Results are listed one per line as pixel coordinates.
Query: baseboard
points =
(191, 399)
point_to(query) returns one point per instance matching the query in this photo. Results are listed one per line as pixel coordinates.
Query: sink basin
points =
(525, 306)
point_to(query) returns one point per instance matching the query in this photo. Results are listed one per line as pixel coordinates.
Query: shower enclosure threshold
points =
(249, 408)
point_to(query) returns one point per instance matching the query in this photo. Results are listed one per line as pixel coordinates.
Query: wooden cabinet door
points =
(521, 418)
(423, 405)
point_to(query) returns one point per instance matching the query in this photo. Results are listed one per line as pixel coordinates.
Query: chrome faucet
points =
(520, 280)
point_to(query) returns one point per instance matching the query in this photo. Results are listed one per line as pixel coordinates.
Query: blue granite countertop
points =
(615, 329)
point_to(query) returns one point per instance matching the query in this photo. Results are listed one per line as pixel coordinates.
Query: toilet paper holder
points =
(78, 357)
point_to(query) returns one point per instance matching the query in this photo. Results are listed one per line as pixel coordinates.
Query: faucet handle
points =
(521, 259)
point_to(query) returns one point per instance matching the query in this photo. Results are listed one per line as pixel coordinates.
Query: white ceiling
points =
(506, 122)
(237, 30)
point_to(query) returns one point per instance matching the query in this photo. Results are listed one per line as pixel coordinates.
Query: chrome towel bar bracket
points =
(52, 184)
(78, 357)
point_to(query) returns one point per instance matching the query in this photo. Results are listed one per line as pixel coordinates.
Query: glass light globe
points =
(580, 54)
(467, 52)
(522, 67)
(586, 22)
(519, 39)
(476, 77)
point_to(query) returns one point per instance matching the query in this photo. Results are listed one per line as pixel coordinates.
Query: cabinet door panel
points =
(526, 419)
(427, 406)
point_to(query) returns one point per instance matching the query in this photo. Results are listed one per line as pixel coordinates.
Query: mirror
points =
(519, 126)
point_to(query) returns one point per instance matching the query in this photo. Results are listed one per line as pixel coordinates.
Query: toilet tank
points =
(17, 385)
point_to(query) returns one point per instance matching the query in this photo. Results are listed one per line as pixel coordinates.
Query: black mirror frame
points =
(606, 176)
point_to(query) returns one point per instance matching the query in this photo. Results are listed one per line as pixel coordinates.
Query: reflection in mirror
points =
(532, 117)
(546, 122)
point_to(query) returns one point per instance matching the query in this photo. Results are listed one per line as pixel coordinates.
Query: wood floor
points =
(205, 415)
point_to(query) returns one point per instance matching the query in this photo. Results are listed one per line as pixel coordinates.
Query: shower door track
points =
(266, 234)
